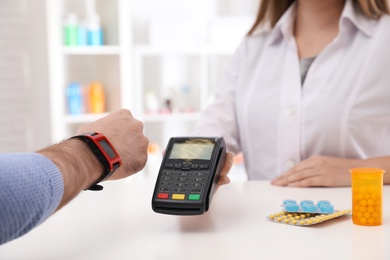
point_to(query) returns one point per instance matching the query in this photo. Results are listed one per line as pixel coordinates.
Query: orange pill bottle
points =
(367, 201)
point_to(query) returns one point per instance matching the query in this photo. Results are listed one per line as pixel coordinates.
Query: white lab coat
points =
(342, 109)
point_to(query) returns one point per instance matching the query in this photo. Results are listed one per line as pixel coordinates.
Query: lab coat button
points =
(292, 110)
(290, 163)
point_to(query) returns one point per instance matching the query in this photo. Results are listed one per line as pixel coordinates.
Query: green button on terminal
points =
(194, 197)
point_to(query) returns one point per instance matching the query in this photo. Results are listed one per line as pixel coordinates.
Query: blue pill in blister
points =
(309, 208)
(323, 203)
(291, 207)
(310, 202)
(326, 209)
(285, 202)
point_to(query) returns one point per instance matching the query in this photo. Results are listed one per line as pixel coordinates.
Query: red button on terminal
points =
(162, 195)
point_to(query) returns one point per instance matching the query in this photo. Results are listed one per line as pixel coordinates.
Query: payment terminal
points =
(188, 175)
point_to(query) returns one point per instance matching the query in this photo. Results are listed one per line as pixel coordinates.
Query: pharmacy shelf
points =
(150, 50)
(202, 52)
(188, 64)
(83, 118)
(174, 117)
(91, 50)
(110, 64)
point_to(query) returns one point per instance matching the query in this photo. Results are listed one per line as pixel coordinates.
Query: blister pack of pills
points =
(306, 213)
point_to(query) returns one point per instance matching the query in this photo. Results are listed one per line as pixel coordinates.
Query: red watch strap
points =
(104, 152)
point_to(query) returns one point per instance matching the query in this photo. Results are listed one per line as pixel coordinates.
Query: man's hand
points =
(319, 171)
(80, 167)
(126, 135)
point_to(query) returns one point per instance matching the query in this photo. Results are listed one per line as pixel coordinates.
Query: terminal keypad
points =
(183, 181)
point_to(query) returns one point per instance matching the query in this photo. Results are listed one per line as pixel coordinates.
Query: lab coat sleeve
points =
(31, 188)
(219, 118)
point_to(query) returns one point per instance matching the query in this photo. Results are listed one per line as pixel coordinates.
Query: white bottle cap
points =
(93, 22)
(71, 19)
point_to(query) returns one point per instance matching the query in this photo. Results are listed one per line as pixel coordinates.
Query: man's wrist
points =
(105, 152)
(93, 168)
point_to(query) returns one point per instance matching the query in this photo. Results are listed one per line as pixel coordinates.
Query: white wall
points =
(40, 107)
(142, 11)
(24, 108)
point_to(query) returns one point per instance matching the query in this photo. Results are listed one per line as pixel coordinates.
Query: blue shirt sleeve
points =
(31, 188)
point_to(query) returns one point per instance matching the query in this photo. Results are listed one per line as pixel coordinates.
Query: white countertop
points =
(119, 223)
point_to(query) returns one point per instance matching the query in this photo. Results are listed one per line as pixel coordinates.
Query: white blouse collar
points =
(284, 27)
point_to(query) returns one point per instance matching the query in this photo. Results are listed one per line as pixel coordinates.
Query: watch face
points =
(107, 149)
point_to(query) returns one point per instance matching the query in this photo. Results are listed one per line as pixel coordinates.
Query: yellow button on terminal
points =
(178, 196)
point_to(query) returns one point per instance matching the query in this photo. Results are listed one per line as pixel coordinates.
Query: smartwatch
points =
(104, 152)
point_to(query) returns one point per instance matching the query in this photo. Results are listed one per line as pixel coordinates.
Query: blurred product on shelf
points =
(85, 99)
(94, 29)
(238, 173)
(177, 100)
(75, 104)
(88, 32)
(95, 32)
(82, 34)
(238, 159)
(96, 98)
(167, 107)
(152, 103)
(71, 30)
(154, 159)
(153, 148)
(183, 101)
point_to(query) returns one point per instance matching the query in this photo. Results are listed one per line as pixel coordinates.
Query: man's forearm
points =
(77, 164)
(31, 189)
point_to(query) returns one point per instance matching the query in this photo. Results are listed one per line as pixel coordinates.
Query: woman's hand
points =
(224, 179)
(319, 170)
